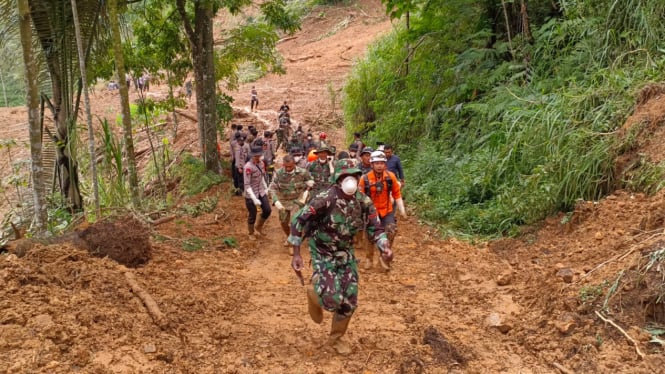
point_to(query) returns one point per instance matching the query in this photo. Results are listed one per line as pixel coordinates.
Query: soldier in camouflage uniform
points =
(298, 157)
(321, 169)
(330, 220)
(288, 191)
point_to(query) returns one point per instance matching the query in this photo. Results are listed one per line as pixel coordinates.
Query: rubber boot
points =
(337, 331)
(250, 228)
(313, 306)
(260, 221)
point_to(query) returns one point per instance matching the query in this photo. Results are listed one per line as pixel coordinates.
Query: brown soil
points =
(522, 305)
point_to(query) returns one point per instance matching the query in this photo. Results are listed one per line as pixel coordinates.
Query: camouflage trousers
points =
(285, 220)
(335, 281)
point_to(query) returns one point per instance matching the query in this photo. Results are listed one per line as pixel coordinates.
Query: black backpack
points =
(389, 183)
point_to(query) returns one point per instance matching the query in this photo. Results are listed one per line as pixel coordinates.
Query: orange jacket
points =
(381, 200)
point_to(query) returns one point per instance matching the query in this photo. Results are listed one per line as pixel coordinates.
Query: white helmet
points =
(377, 156)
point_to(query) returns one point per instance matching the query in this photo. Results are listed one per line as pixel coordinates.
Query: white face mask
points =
(323, 161)
(297, 158)
(349, 185)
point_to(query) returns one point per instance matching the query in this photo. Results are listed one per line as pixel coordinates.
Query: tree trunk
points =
(88, 112)
(526, 29)
(201, 42)
(31, 84)
(124, 103)
(4, 89)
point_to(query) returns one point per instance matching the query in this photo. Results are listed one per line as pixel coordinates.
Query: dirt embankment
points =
(524, 305)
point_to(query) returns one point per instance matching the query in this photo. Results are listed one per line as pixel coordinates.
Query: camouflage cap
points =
(346, 166)
(325, 149)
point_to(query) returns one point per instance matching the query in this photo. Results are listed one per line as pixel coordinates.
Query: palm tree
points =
(31, 74)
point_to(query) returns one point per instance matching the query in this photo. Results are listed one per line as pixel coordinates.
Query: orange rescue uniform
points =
(381, 200)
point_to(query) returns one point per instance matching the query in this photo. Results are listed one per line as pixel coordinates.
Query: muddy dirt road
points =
(512, 306)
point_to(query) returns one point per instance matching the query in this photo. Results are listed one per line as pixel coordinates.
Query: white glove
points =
(400, 207)
(279, 205)
(310, 183)
(250, 193)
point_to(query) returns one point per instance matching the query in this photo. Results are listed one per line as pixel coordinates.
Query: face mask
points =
(297, 158)
(352, 154)
(290, 172)
(309, 138)
(349, 185)
(323, 161)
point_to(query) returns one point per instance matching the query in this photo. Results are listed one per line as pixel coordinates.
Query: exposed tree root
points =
(157, 316)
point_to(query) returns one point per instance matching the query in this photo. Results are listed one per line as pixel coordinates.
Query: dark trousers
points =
(251, 208)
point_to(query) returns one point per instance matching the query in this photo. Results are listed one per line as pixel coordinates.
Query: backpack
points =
(389, 183)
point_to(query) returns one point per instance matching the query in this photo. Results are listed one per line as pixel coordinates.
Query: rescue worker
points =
(365, 165)
(330, 220)
(353, 152)
(256, 193)
(357, 141)
(289, 191)
(393, 163)
(298, 157)
(269, 153)
(285, 107)
(241, 157)
(254, 99)
(323, 142)
(309, 144)
(294, 142)
(381, 185)
(321, 169)
(233, 144)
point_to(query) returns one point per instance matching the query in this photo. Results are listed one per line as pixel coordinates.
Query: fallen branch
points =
(562, 368)
(157, 316)
(286, 39)
(615, 258)
(159, 221)
(188, 116)
(637, 347)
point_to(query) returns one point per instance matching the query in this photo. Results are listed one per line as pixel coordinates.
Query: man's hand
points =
(279, 205)
(297, 264)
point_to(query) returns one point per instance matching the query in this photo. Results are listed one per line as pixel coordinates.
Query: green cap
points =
(346, 166)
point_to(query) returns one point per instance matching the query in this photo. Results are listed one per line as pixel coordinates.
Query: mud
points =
(447, 306)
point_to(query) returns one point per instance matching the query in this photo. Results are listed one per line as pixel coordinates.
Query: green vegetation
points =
(498, 129)
(194, 178)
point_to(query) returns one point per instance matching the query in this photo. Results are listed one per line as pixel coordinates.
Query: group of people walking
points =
(336, 202)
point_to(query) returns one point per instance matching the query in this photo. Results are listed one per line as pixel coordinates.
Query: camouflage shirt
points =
(321, 174)
(288, 187)
(334, 220)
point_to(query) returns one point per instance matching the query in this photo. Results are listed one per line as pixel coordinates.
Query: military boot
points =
(313, 306)
(337, 331)
(260, 221)
(250, 228)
